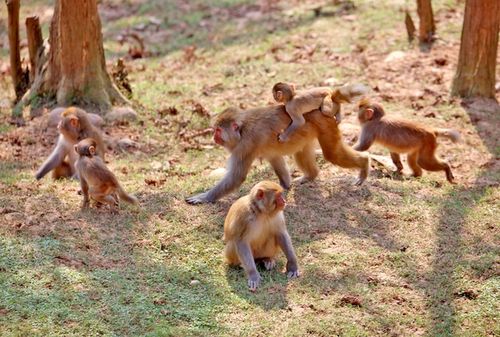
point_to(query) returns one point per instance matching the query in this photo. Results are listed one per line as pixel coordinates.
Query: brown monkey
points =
(253, 134)
(403, 136)
(255, 229)
(298, 103)
(96, 180)
(73, 127)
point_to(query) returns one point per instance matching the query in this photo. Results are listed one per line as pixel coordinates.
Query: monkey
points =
(73, 127)
(325, 99)
(255, 229)
(403, 136)
(251, 134)
(96, 180)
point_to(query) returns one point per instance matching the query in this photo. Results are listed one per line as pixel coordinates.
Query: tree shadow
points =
(442, 289)
(93, 271)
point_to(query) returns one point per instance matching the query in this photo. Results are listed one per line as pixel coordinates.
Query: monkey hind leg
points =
(306, 162)
(342, 155)
(62, 171)
(269, 263)
(428, 161)
(396, 159)
(413, 163)
(297, 121)
(231, 255)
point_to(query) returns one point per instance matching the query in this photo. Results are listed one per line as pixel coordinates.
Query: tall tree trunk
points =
(75, 72)
(426, 29)
(35, 43)
(475, 74)
(19, 77)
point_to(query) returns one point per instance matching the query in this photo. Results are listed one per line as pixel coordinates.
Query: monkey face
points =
(279, 201)
(86, 147)
(69, 126)
(269, 196)
(278, 96)
(227, 136)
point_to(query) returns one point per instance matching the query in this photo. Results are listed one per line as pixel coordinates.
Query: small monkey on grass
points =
(325, 99)
(255, 229)
(96, 180)
(74, 126)
(403, 136)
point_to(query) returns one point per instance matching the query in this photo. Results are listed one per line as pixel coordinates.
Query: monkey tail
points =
(126, 197)
(451, 134)
(347, 92)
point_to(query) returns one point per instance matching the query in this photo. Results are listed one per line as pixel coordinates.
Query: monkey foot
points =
(282, 138)
(293, 273)
(359, 181)
(269, 264)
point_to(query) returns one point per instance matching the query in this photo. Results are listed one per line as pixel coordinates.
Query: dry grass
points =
(396, 257)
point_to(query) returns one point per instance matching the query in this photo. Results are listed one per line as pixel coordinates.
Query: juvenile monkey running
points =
(403, 136)
(96, 180)
(255, 229)
(325, 99)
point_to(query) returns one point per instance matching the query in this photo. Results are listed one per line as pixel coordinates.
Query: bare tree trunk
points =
(427, 29)
(35, 43)
(410, 26)
(18, 76)
(75, 72)
(475, 74)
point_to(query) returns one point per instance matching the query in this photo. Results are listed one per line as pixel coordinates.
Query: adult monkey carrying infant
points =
(252, 134)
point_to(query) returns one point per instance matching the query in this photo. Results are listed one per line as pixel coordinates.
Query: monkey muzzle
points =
(280, 202)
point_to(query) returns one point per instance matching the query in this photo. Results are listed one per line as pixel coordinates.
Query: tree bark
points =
(410, 27)
(75, 72)
(16, 71)
(35, 44)
(426, 29)
(475, 74)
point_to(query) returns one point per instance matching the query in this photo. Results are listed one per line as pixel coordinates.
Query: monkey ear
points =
(74, 121)
(76, 148)
(235, 126)
(92, 149)
(260, 194)
(369, 113)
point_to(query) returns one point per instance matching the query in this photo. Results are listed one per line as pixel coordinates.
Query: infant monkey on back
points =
(297, 103)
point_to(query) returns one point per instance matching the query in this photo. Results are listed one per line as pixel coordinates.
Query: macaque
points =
(252, 134)
(297, 103)
(255, 229)
(403, 136)
(96, 180)
(73, 127)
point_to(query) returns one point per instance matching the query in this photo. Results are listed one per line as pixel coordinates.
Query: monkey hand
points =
(254, 281)
(282, 138)
(292, 270)
(198, 199)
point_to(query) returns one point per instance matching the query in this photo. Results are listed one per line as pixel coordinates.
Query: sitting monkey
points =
(325, 99)
(96, 180)
(255, 229)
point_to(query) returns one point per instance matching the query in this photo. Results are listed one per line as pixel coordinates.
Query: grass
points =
(419, 255)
